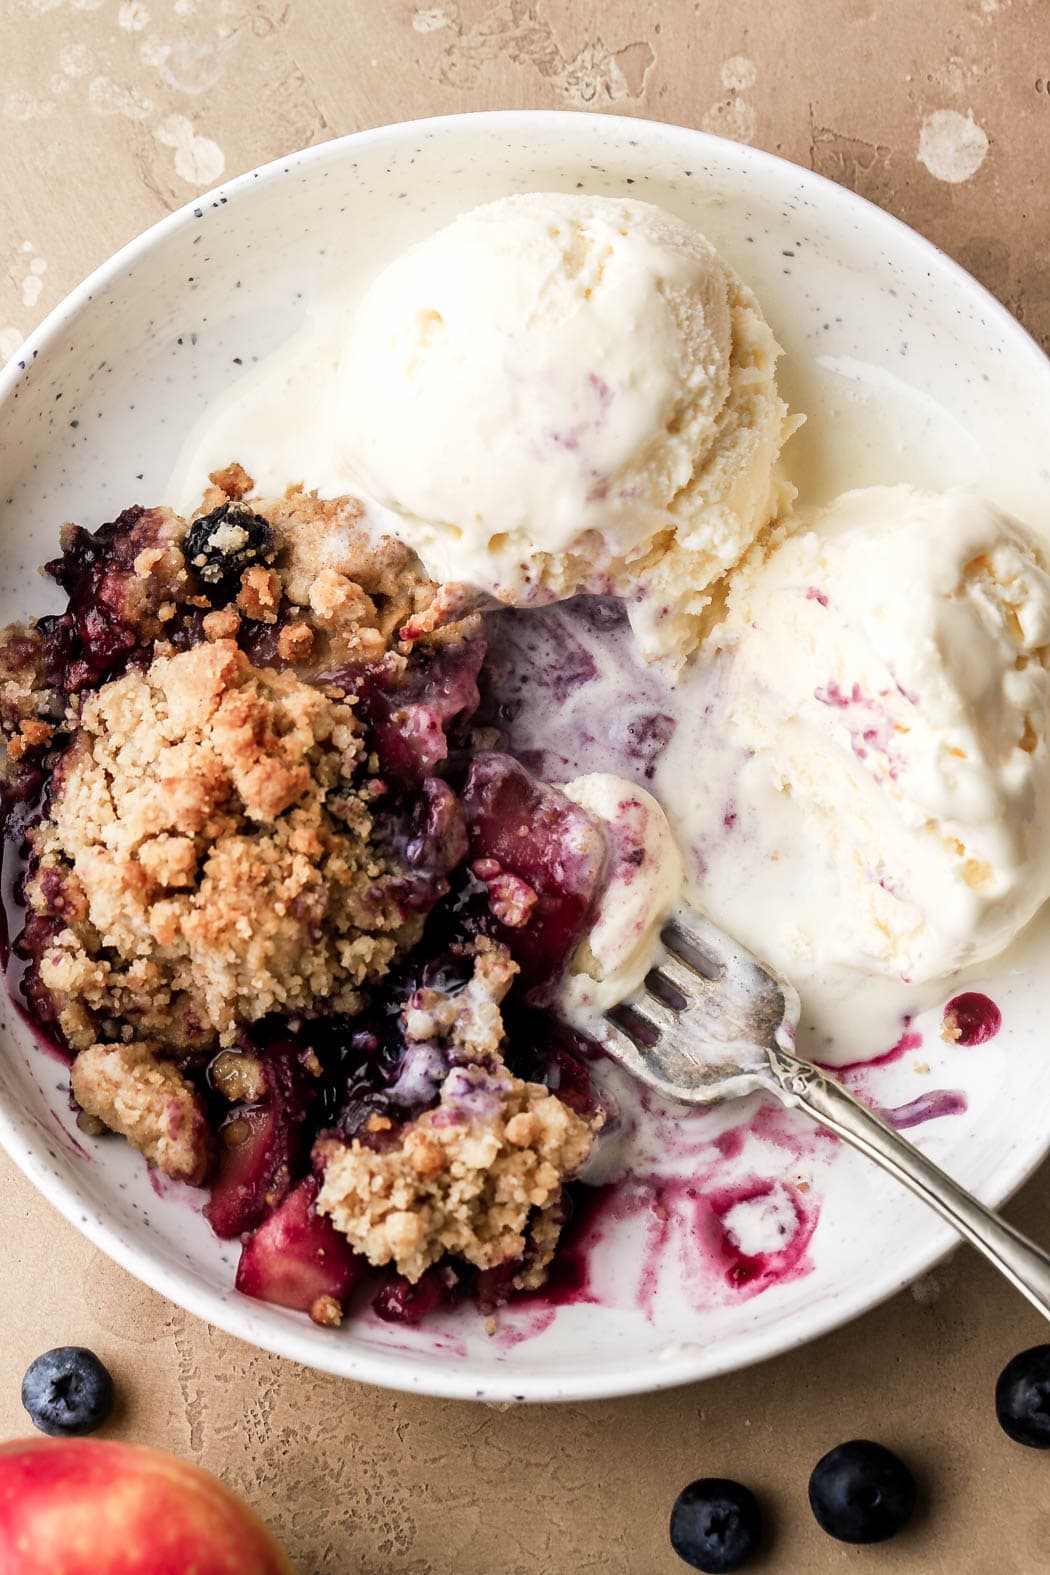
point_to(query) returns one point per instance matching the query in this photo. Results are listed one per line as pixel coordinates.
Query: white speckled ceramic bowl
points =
(908, 370)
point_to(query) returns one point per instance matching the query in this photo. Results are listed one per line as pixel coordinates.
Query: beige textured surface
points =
(110, 114)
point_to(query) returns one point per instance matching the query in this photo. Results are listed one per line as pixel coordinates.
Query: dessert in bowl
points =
(343, 802)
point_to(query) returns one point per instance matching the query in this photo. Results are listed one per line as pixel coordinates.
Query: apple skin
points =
(86, 1506)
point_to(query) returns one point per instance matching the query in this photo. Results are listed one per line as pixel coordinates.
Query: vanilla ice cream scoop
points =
(643, 884)
(886, 677)
(563, 393)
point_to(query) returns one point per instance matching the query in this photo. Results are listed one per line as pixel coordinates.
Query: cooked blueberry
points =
(222, 544)
(67, 1392)
(1022, 1398)
(716, 1525)
(861, 1492)
(397, 1301)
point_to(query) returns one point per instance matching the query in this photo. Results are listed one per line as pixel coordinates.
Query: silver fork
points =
(711, 1022)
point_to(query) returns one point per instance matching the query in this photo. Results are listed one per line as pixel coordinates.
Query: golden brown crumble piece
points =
(222, 624)
(27, 703)
(260, 593)
(327, 1312)
(190, 825)
(32, 734)
(230, 484)
(468, 1019)
(295, 642)
(233, 481)
(334, 595)
(479, 1177)
(449, 605)
(147, 1101)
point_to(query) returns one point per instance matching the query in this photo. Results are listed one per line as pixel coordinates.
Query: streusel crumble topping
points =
(478, 1175)
(278, 889)
(473, 1178)
(147, 1101)
(212, 854)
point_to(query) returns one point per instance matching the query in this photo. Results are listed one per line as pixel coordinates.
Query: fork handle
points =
(805, 1087)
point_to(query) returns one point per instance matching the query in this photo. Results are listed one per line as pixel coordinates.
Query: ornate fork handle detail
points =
(798, 1080)
(805, 1087)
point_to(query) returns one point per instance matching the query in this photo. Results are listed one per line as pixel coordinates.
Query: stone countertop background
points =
(111, 114)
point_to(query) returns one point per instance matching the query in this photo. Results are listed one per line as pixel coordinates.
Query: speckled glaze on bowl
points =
(893, 351)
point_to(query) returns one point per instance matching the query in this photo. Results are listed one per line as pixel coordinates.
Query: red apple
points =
(86, 1506)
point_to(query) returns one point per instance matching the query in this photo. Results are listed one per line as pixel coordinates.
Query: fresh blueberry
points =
(716, 1525)
(1022, 1398)
(222, 544)
(861, 1492)
(67, 1392)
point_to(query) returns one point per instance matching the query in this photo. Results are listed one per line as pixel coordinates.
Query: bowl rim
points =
(463, 1378)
